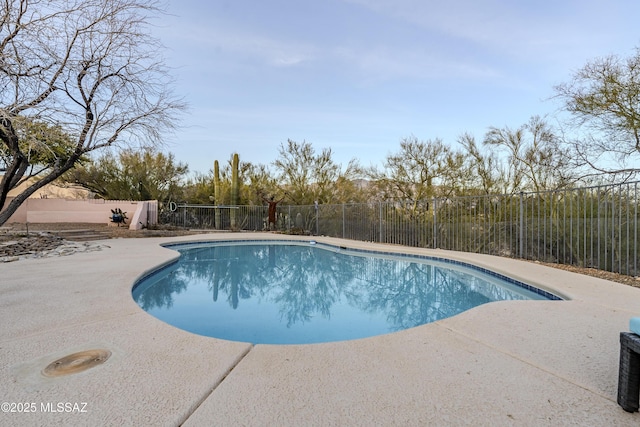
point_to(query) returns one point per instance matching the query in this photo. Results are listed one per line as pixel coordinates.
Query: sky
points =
(358, 76)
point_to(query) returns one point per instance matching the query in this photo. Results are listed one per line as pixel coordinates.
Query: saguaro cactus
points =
(217, 193)
(235, 190)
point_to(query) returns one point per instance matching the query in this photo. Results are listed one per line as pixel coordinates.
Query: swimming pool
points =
(293, 292)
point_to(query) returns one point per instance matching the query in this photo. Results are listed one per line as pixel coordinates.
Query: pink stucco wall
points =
(82, 211)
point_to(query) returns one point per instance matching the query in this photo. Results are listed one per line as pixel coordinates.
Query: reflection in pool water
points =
(284, 293)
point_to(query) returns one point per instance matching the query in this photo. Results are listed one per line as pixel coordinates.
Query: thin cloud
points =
(541, 31)
(242, 44)
(354, 57)
(386, 62)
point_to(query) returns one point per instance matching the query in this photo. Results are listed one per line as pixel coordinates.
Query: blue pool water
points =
(274, 292)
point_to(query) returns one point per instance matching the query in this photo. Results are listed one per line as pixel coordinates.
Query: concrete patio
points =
(529, 363)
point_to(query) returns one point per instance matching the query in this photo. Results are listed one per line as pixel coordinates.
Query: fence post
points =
(435, 223)
(317, 219)
(380, 222)
(343, 223)
(522, 224)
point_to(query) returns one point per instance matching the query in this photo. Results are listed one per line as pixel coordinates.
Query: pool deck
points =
(524, 363)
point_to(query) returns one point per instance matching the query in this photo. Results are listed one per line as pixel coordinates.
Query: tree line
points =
(529, 158)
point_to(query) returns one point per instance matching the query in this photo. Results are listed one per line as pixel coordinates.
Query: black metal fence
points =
(593, 227)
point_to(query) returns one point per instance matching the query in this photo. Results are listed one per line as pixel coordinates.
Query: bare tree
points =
(89, 67)
(420, 170)
(604, 99)
(534, 160)
(307, 177)
(483, 166)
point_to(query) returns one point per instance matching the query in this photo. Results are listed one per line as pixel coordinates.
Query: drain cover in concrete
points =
(76, 362)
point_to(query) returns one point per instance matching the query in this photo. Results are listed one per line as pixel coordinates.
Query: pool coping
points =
(518, 363)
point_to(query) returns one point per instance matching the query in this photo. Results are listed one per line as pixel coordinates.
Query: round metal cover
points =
(76, 362)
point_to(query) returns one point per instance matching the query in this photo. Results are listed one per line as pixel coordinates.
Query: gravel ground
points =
(35, 240)
(109, 231)
(607, 275)
(16, 237)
